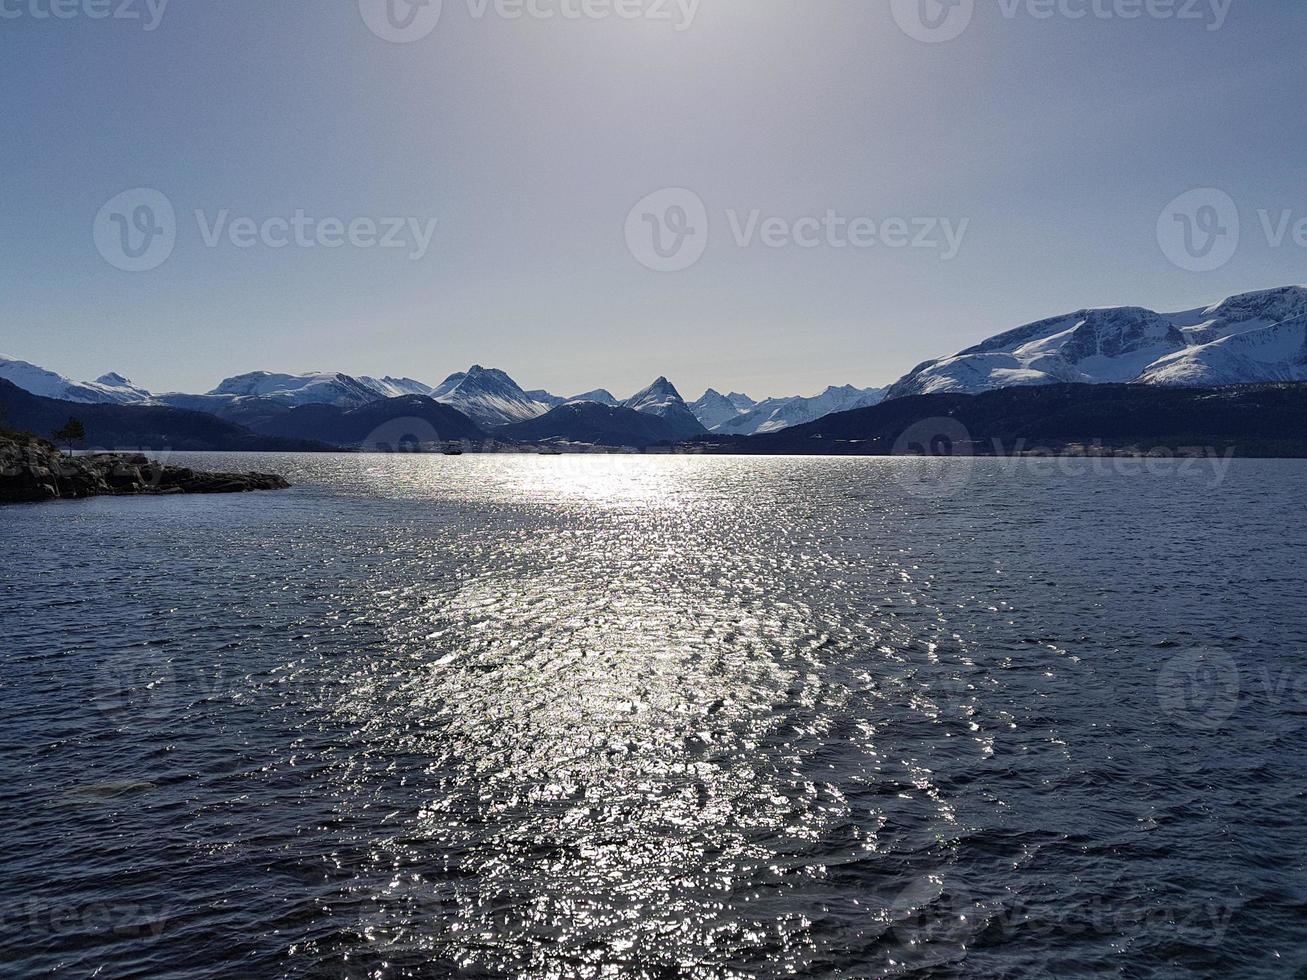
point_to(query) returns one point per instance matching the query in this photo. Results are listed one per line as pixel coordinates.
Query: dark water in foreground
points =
(707, 717)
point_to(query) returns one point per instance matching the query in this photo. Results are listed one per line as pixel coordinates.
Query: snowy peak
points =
(776, 414)
(115, 381)
(662, 394)
(601, 396)
(109, 389)
(293, 390)
(488, 396)
(714, 409)
(663, 400)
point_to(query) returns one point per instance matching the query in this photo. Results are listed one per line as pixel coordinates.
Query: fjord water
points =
(654, 717)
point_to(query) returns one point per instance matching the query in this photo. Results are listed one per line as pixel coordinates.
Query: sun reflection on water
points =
(624, 714)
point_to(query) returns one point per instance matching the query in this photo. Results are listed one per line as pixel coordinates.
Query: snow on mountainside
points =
(115, 385)
(600, 395)
(663, 400)
(389, 387)
(714, 409)
(1241, 314)
(315, 388)
(108, 389)
(776, 414)
(1092, 346)
(1274, 353)
(1241, 340)
(546, 398)
(488, 396)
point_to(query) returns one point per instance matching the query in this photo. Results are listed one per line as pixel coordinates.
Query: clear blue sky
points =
(1060, 139)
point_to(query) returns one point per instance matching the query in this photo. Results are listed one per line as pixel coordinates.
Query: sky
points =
(753, 195)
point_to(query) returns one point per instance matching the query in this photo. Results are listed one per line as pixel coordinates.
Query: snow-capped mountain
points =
(1248, 338)
(247, 398)
(714, 409)
(776, 414)
(663, 400)
(1274, 353)
(316, 388)
(743, 402)
(488, 396)
(1088, 347)
(389, 387)
(1254, 337)
(547, 398)
(1241, 314)
(600, 395)
(120, 389)
(108, 389)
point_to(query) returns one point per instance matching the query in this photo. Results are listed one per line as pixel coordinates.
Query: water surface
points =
(656, 717)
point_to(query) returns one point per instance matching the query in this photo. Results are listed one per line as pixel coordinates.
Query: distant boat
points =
(452, 451)
(546, 451)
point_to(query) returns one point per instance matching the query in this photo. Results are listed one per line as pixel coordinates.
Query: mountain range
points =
(1253, 338)
(1248, 339)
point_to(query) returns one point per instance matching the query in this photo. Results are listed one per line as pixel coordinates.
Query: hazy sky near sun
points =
(1058, 140)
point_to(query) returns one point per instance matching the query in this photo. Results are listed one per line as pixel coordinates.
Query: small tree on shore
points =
(71, 434)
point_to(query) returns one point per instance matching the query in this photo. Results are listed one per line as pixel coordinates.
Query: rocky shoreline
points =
(33, 471)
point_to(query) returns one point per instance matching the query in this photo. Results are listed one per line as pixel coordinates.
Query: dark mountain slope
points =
(138, 426)
(1251, 420)
(381, 425)
(596, 424)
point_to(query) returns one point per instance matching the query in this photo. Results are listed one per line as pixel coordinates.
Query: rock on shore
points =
(32, 471)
